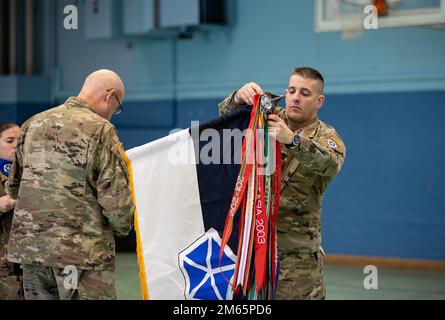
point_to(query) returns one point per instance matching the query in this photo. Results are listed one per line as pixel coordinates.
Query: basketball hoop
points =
(351, 27)
(352, 17)
(351, 14)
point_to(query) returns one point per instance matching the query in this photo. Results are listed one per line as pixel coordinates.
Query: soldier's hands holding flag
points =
(245, 93)
(279, 129)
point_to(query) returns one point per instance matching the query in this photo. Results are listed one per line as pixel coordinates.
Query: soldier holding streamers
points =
(312, 154)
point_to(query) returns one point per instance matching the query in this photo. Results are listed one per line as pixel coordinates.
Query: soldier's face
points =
(8, 143)
(303, 99)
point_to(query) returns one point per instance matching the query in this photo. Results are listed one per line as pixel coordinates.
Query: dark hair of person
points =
(7, 125)
(309, 73)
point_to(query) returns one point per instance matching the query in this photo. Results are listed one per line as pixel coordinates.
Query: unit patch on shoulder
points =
(332, 144)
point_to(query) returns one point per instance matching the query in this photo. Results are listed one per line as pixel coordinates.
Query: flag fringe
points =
(141, 264)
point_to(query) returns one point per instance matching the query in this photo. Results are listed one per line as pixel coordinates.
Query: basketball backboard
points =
(331, 15)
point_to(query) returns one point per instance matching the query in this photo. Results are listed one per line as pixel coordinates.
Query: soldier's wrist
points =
(296, 139)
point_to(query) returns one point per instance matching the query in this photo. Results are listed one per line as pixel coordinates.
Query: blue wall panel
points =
(196, 110)
(8, 113)
(150, 114)
(20, 112)
(387, 201)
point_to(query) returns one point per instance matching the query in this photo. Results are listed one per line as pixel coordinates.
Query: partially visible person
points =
(10, 273)
(71, 183)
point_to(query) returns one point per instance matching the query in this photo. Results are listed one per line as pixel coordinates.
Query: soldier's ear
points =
(320, 101)
(110, 95)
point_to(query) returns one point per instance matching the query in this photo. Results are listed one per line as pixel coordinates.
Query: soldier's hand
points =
(245, 93)
(278, 127)
(6, 204)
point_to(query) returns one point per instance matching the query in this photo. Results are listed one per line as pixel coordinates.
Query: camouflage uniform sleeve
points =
(113, 188)
(323, 155)
(3, 185)
(15, 175)
(228, 105)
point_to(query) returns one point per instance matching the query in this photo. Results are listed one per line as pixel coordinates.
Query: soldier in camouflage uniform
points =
(10, 273)
(313, 154)
(71, 183)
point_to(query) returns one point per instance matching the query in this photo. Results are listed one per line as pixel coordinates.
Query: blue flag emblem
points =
(205, 279)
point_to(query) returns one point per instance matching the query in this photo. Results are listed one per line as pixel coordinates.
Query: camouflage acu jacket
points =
(71, 183)
(306, 173)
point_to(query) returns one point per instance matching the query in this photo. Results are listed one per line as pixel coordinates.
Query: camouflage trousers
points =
(46, 283)
(10, 280)
(301, 277)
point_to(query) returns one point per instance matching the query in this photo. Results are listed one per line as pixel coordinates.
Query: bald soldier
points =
(71, 184)
(313, 154)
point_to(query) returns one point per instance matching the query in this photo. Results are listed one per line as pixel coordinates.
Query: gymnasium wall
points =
(385, 96)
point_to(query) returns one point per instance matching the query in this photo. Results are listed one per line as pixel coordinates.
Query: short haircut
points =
(309, 73)
(7, 125)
